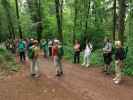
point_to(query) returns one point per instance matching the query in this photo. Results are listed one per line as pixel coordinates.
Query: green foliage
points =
(97, 57)
(7, 61)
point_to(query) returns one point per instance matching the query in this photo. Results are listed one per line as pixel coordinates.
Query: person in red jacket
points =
(57, 58)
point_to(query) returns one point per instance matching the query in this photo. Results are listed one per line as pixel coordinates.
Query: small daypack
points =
(31, 52)
(60, 52)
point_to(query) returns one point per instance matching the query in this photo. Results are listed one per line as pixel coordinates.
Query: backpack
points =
(31, 52)
(21, 46)
(60, 52)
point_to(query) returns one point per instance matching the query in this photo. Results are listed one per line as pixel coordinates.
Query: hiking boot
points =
(87, 65)
(83, 64)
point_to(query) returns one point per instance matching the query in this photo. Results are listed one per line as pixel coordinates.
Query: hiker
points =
(21, 50)
(107, 54)
(87, 54)
(57, 54)
(33, 55)
(44, 46)
(119, 58)
(77, 52)
(50, 44)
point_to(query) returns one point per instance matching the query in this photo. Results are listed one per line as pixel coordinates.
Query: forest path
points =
(76, 84)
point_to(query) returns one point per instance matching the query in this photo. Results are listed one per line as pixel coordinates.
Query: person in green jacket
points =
(21, 50)
(45, 48)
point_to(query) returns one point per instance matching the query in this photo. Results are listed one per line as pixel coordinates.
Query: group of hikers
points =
(53, 49)
(118, 52)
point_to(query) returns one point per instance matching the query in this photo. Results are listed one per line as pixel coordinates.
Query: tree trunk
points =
(36, 16)
(59, 15)
(75, 21)
(121, 25)
(114, 20)
(18, 18)
(6, 7)
(86, 21)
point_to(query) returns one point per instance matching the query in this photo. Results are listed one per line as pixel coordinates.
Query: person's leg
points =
(78, 57)
(109, 64)
(119, 74)
(88, 61)
(21, 56)
(33, 62)
(84, 60)
(61, 67)
(117, 79)
(24, 57)
(37, 72)
(105, 63)
(74, 58)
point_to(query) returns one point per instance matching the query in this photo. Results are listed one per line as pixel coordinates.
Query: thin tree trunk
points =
(59, 19)
(114, 20)
(86, 21)
(75, 21)
(121, 25)
(6, 7)
(18, 18)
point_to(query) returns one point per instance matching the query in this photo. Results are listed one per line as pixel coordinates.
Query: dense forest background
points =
(69, 20)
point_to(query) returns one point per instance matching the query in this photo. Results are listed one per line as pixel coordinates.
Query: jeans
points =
(35, 66)
(58, 64)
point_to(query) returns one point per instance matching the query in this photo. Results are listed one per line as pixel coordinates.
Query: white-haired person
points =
(87, 54)
(119, 57)
(57, 54)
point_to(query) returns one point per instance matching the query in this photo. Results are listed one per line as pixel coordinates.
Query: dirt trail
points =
(76, 84)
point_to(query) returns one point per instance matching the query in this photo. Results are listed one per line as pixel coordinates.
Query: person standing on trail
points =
(44, 46)
(34, 55)
(77, 52)
(119, 58)
(87, 54)
(21, 50)
(57, 54)
(107, 54)
(50, 44)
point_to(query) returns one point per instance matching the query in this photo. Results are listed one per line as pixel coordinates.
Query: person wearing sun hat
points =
(57, 54)
(119, 57)
(34, 59)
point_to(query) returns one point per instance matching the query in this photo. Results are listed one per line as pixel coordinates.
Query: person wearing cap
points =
(57, 53)
(34, 59)
(119, 57)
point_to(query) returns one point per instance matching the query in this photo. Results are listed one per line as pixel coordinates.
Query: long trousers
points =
(118, 67)
(86, 59)
(34, 66)
(22, 56)
(76, 57)
(58, 64)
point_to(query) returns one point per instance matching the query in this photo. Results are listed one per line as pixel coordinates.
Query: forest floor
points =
(77, 84)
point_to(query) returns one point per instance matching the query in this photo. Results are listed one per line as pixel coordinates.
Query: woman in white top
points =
(87, 54)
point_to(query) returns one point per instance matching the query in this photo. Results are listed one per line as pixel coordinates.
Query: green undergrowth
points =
(97, 60)
(7, 62)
